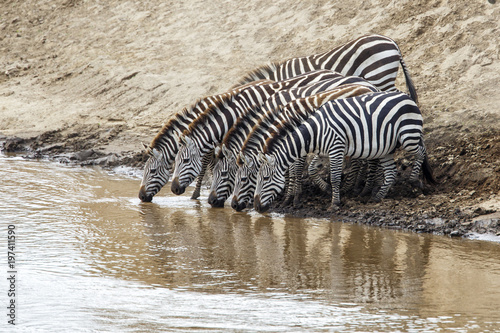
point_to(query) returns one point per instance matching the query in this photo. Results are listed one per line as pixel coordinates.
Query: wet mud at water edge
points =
(465, 201)
(91, 256)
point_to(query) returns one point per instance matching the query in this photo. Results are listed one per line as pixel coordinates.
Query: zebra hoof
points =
(297, 203)
(196, 195)
(365, 192)
(417, 183)
(334, 208)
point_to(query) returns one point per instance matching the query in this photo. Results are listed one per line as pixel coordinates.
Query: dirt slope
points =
(97, 78)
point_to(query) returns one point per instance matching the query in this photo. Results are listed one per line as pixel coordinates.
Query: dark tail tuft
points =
(427, 169)
(409, 81)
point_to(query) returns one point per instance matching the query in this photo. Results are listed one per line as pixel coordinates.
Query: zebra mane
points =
(231, 137)
(168, 128)
(262, 72)
(213, 109)
(282, 129)
(262, 129)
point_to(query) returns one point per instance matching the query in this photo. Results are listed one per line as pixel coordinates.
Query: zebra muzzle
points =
(176, 187)
(257, 205)
(143, 195)
(236, 205)
(214, 201)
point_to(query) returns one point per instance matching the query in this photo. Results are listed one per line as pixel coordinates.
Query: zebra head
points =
(223, 176)
(270, 183)
(156, 174)
(245, 180)
(187, 165)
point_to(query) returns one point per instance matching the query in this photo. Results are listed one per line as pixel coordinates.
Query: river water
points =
(89, 256)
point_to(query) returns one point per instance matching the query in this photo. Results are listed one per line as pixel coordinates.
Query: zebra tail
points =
(427, 170)
(409, 81)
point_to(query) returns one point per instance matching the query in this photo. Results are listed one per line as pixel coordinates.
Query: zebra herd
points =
(255, 137)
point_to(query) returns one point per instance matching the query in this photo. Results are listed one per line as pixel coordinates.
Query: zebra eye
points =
(186, 160)
(266, 178)
(223, 174)
(153, 170)
(244, 179)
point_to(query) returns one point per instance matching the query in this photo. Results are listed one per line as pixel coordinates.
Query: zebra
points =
(297, 110)
(163, 148)
(209, 128)
(374, 57)
(225, 168)
(370, 127)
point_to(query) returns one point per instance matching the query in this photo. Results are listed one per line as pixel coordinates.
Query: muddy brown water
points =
(91, 257)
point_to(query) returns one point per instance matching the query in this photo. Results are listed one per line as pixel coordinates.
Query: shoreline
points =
(433, 210)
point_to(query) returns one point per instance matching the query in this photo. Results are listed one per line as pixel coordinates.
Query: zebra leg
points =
(374, 177)
(389, 166)
(415, 179)
(353, 174)
(336, 156)
(289, 186)
(206, 163)
(297, 188)
(313, 171)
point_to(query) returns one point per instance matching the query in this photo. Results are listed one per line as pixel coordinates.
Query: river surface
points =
(89, 256)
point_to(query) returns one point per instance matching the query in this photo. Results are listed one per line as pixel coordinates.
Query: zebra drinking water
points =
(209, 128)
(164, 147)
(296, 111)
(373, 57)
(224, 173)
(369, 127)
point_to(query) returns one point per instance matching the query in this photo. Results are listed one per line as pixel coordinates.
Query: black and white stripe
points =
(209, 129)
(164, 147)
(366, 127)
(296, 111)
(223, 177)
(374, 57)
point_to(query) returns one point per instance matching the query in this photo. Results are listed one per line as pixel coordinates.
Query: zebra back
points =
(376, 58)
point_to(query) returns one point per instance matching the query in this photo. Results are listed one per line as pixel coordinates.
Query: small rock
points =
(83, 155)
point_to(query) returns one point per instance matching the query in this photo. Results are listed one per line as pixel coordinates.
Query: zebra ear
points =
(242, 158)
(147, 149)
(188, 141)
(225, 151)
(217, 151)
(248, 162)
(270, 159)
(156, 152)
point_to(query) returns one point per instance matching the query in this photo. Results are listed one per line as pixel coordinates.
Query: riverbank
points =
(87, 83)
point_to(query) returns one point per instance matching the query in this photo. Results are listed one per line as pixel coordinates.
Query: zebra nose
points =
(238, 206)
(257, 205)
(176, 186)
(212, 197)
(143, 195)
(234, 203)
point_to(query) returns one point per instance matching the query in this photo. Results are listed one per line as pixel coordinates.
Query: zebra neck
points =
(294, 145)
